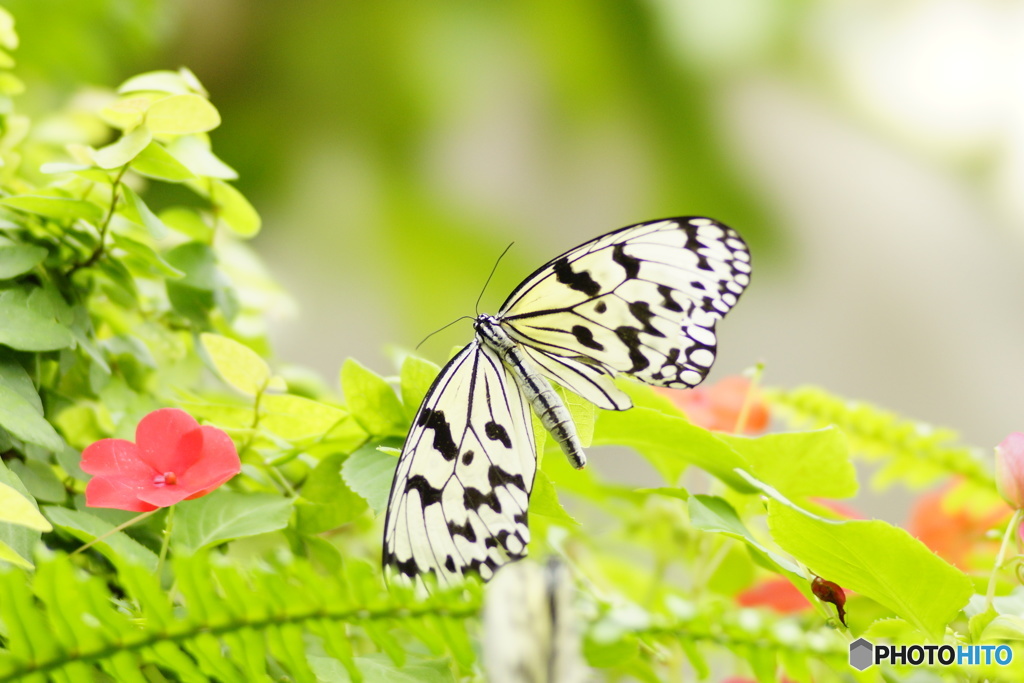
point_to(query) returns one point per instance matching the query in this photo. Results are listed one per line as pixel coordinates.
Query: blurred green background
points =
(872, 152)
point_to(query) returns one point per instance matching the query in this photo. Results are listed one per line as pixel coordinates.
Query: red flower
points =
(955, 532)
(172, 459)
(776, 594)
(719, 405)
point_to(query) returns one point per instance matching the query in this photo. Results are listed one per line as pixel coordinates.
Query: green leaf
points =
(800, 464)
(193, 295)
(17, 259)
(372, 401)
(57, 208)
(380, 669)
(1008, 627)
(416, 377)
(295, 417)
(21, 411)
(40, 480)
(907, 577)
(369, 472)
(126, 148)
(182, 115)
(156, 162)
(146, 217)
(17, 509)
(544, 501)
(194, 153)
(8, 554)
(583, 413)
(224, 516)
(144, 258)
(327, 501)
(240, 366)
(116, 547)
(669, 443)
(21, 540)
(187, 222)
(716, 515)
(234, 209)
(170, 82)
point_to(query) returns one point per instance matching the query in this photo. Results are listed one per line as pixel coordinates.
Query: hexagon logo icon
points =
(861, 654)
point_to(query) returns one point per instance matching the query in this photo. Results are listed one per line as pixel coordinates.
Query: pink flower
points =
(172, 459)
(1010, 469)
(718, 406)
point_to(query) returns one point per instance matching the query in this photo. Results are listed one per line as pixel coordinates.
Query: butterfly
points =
(641, 301)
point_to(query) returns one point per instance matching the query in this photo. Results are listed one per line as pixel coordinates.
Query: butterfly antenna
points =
(477, 307)
(463, 317)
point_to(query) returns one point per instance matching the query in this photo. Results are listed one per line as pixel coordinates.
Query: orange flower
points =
(954, 534)
(718, 406)
(775, 593)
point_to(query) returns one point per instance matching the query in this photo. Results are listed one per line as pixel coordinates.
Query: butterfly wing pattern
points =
(642, 301)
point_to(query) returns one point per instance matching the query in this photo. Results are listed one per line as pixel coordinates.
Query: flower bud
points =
(1010, 469)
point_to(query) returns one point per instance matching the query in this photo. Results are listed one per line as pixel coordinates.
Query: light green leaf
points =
(149, 219)
(116, 547)
(380, 669)
(17, 259)
(544, 501)
(170, 82)
(224, 516)
(40, 480)
(21, 540)
(582, 412)
(57, 208)
(1004, 627)
(26, 328)
(877, 560)
(416, 377)
(800, 464)
(234, 209)
(8, 554)
(122, 151)
(669, 443)
(21, 411)
(8, 36)
(240, 366)
(187, 222)
(369, 472)
(716, 515)
(194, 153)
(142, 257)
(182, 115)
(156, 162)
(295, 417)
(327, 502)
(372, 401)
(17, 509)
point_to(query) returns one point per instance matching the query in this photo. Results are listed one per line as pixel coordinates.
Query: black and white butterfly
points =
(641, 301)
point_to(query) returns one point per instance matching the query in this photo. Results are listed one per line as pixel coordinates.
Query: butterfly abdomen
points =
(541, 395)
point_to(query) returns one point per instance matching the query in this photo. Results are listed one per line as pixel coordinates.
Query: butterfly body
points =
(640, 302)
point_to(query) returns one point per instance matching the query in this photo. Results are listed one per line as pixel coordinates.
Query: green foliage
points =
(118, 300)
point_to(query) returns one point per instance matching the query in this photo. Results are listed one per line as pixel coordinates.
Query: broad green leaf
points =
(21, 411)
(194, 153)
(182, 115)
(1004, 627)
(877, 560)
(716, 515)
(57, 208)
(240, 366)
(369, 472)
(583, 413)
(187, 222)
(142, 257)
(8, 554)
(327, 501)
(126, 148)
(544, 501)
(17, 259)
(17, 509)
(156, 162)
(224, 516)
(146, 217)
(372, 401)
(295, 417)
(40, 480)
(128, 112)
(170, 82)
(234, 209)
(416, 377)
(116, 547)
(800, 464)
(670, 443)
(193, 295)
(20, 539)
(27, 328)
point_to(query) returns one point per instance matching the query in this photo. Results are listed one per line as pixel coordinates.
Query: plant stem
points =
(168, 525)
(108, 534)
(102, 246)
(1011, 528)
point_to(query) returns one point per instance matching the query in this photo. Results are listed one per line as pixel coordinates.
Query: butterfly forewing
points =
(642, 301)
(459, 498)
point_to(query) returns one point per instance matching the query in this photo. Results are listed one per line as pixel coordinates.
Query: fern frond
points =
(915, 452)
(230, 624)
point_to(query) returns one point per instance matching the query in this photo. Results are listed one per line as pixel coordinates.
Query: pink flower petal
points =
(164, 496)
(217, 462)
(158, 436)
(114, 457)
(111, 493)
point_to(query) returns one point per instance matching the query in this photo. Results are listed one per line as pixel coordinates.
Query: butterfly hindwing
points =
(641, 301)
(459, 498)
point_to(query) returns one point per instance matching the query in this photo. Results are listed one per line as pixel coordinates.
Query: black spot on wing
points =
(449, 564)
(406, 567)
(495, 432)
(428, 494)
(473, 498)
(443, 442)
(467, 457)
(667, 302)
(585, 336)
(601, 307)
(641, 310)
(465, 530)
(629, 264)
(630, 336)
(499, 477)
(581, 281)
